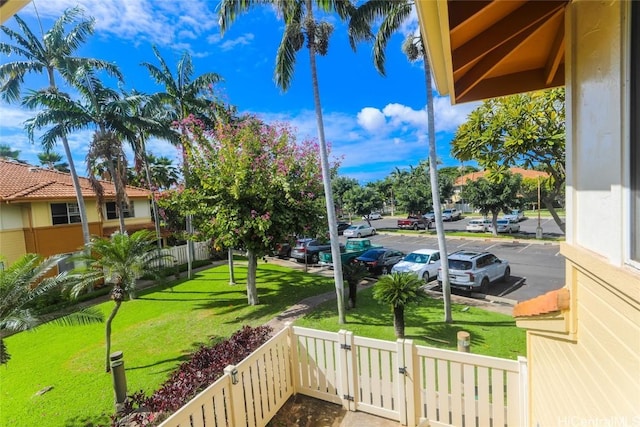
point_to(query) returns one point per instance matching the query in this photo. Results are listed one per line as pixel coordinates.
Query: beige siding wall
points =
(594, 380)
(41, 211)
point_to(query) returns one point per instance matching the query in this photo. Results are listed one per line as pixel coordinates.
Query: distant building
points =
(459, 183)
(39, 212)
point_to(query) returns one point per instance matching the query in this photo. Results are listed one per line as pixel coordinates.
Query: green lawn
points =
(156, 332)
(492, 333)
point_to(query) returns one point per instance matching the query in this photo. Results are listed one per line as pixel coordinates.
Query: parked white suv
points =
(451, 214)
(516, 215)
(424, 263)
(475, 271)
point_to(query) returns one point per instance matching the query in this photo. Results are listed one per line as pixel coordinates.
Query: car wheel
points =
(359, 235)
(415, 227)
(373, 233)
(484, 286)
(385, 269)
(315, 258)
(425, 277)
(507, 275)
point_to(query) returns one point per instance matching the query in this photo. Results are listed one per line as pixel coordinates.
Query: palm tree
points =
(98, 107)
(23, 282)
(393, 15)
(301, 26)
(6, 152)
(353, 274)
(119, 260)
(183, 96)
(53, 53)
(399, 290)
(53, 160)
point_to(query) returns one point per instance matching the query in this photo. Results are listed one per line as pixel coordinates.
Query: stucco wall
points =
(12, 245)
(597, 145)
(10, 217)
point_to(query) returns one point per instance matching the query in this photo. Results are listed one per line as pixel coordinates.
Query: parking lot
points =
(536, 266)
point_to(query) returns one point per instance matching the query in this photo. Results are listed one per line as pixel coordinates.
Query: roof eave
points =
(10, 8)
(434, 26)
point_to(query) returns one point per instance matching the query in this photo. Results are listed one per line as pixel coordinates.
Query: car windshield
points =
(456, 264)
(372, 253)
(417, 258)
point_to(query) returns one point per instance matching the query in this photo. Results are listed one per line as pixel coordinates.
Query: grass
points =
(156, 332)
(163, 326)
(501, 236)
(492, 334)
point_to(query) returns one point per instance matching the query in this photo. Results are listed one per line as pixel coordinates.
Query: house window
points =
(635, 131)
(65, 213)
(112, 212)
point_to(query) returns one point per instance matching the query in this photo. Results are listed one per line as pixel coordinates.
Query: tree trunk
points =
(232, 277)
(108, 331)
(353, 291)
(326, 177)
(154, 203)
(548, 203)
(252, 291)
(398, 321)
(86, 235)
(435, 194)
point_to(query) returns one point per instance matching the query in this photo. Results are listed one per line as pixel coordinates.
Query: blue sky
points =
(372, 123)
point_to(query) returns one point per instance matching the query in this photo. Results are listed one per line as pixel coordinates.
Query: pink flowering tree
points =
(254, 186)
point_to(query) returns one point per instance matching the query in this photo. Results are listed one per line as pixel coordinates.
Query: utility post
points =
(539, 228)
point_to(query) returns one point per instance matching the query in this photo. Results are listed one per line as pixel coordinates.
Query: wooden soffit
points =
(482, 49)
(8, 8)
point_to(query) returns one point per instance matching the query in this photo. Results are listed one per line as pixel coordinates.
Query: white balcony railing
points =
(396, 380)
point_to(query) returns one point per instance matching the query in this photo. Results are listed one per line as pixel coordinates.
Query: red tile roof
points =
(526, 173)
(22, 182)
(550, 302)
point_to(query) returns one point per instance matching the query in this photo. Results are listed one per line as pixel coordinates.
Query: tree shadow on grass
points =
(88, 421)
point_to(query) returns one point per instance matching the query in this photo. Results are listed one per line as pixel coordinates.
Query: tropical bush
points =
(190, 378)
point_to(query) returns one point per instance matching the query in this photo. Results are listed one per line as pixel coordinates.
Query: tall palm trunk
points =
(398, 321)
(118, 303)
(326, 176)
(86, 235)
(435, 193)
(154, 203)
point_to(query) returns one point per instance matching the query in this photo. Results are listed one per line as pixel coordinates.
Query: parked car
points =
(478, 225)
(359, 230)
(413, 222)
(372, 216)
(516, 215)
(423, 262)
(505, 226)
(475, 271)
(451, 214)
(308, 250)
(431, 216)
(342, 226)
(380, 260)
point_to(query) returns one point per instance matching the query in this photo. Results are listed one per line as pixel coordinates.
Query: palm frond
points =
(286, 56)
(228, 11)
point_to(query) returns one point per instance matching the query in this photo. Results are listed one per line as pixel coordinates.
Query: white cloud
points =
(142, 21)
(238, 41)
(371, 119)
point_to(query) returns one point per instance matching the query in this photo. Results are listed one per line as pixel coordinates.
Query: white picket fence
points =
(397, 380)
(202, 251)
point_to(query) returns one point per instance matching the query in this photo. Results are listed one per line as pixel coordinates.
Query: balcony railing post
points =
(237, 414)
